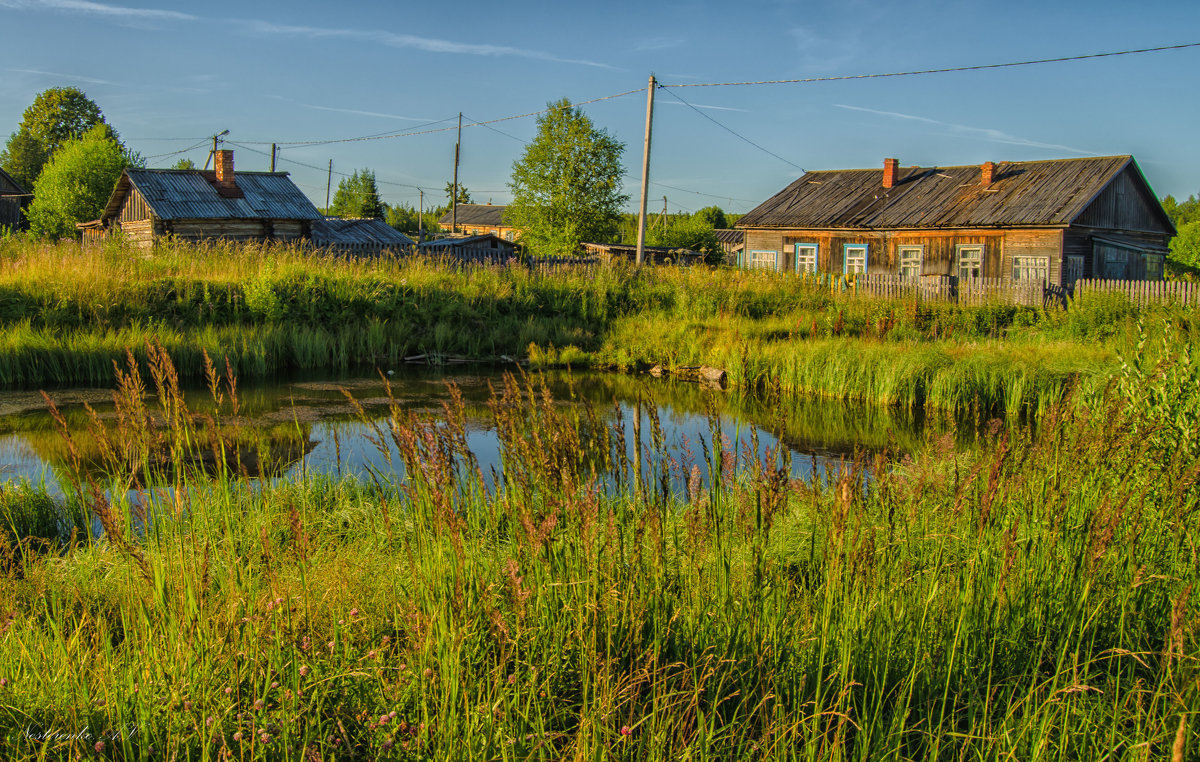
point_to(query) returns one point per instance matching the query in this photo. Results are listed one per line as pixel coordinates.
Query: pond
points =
(309, 425)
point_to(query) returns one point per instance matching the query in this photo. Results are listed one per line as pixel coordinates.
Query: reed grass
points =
(1030, 600)
(66, 315)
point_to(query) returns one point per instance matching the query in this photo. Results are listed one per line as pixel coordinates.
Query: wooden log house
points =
(1051, 221)
(193, 205)
(480, 219)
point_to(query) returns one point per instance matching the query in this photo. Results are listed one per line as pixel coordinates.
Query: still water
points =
(311, 427)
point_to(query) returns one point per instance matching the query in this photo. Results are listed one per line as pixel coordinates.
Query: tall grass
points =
(66, 315)
(1033, 600)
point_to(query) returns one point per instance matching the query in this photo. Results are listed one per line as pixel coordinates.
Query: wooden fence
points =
(1144, 292)
(978, 291)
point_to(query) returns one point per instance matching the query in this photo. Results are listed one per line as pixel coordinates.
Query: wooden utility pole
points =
(454, 198)
(272, 157)
(328, 184)
(213, 153)
(421, 217)
(641, 241)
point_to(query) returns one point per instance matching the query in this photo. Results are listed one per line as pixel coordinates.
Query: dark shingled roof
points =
(1022, 193)
(477, 215)
(191, 194)
(331, 232)
(727, 236)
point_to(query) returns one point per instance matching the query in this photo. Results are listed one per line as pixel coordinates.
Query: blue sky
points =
(167, 75)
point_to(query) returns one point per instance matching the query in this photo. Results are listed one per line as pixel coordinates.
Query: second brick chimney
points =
(891, 172)
(989, 172)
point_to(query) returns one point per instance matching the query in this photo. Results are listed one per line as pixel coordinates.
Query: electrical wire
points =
(978, 67)
(737, 135)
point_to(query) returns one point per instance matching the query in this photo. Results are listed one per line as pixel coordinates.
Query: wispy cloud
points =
(352, 111)
(701, 105)
(98, 9)
(427, 44)
(817, 52)
(73, 77)
(979, 133)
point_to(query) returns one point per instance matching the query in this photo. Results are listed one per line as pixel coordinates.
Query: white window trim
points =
(866, 256)
(1027, 262)
(816, 257)
(973, 248)
(754, 257)
(908, 251)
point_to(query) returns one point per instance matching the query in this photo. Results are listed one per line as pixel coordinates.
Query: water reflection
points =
(288, 429)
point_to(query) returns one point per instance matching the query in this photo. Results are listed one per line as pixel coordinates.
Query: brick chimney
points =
(989, 172)
(226, 182)
(891, 172)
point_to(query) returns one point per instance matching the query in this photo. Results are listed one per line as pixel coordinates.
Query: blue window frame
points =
(855, 259)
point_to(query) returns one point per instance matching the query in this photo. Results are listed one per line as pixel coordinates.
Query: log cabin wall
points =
(939, 249)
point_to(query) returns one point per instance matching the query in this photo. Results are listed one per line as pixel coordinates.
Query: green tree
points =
(406, 219)
(357, 196)
(693, 233)
(184, 164)
(1185, 246)
(464, 197)
(567, 185)
(714, 217)
(76, 183)
(55, 117)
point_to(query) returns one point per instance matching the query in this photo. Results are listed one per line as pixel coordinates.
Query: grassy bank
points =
(1033, 600)
(65, 316)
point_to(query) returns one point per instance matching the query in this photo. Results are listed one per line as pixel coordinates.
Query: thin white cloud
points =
(427, 44)
(98, 9)
(701, 105)
(59, 75)
(356, 112)
(979, 133)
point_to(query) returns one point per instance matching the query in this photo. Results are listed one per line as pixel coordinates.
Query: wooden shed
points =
(1054, 221)
(193, 205)
(13, 198)
(359, 237)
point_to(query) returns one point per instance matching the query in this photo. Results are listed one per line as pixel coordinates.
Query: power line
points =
(978, 67)
(737, 135)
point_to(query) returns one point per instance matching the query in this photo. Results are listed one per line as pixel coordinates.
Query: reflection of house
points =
(193, 204)
(480, 219)
(1054, 221)
(659, 255)
(12, 198)
(488, 249)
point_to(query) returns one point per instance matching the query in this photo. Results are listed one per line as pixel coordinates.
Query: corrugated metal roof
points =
(727, 236)
(476, 214)
(189, 194)
(1022, 193)
(332, 232)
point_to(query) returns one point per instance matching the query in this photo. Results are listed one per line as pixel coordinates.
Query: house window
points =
(970, 261)
(806, 258)
(1074, 269)
(1031, 268)
(1116, 263)
(910, 261)
(1154, 267)
(856, 259)
(764, 260)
